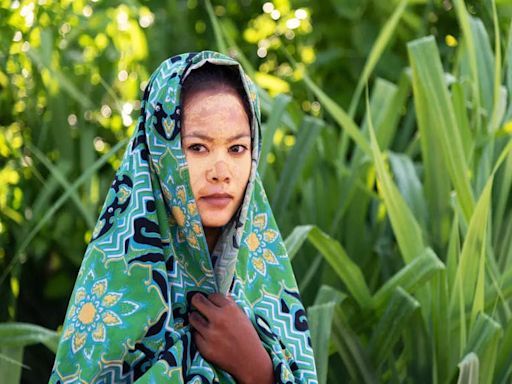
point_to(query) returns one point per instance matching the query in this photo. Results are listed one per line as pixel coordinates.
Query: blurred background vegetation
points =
(407, 267)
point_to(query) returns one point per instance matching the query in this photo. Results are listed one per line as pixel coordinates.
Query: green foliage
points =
(397, 204)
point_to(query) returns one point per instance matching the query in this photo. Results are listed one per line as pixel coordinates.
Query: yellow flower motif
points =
(181, 194)
(259, 264)
(99, 288)
(91, 313)
(192, 240)
(87, 313)
(269, 256)
(253, 242)
(196, 227)
(192, 208)
(259, 243)
(178, 215)
(110, 318)
(260, 220)
(269, 235)
(166, 192)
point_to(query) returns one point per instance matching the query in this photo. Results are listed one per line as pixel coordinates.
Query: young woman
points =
(186, 278)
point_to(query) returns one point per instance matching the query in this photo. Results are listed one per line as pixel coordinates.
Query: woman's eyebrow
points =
(210, 139)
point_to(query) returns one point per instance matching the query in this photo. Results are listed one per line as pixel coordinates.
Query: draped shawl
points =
(127, 319)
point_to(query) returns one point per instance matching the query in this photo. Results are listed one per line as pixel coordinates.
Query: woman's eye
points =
(238, 148)
(196, 148)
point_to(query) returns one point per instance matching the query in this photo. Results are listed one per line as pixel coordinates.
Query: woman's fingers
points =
(204, 305)
(198, 322)
(219, 299)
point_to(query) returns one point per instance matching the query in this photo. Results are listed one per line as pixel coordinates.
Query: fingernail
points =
(199, 297)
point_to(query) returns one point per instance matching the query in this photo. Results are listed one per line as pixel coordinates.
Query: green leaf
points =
(485, 65)
(295, 239)
(221, 44)
(470, 47)
(11, 363)
(269, 128)
(383, 103)
(387, 32)
(459, 108)
(468, 370)
(504, 358)
(405, 226)
(473, 248)
(443, 337)
(409, 186)
(23, 334)
(61, 178)
(327, 294)
(386, 333)
(351, 352)
(348, 271)
(54, 208)
(295, 161)
(64, 82)
(484, 338)
(430, 87)
(320, 323)
(410, 277)
(339, 115)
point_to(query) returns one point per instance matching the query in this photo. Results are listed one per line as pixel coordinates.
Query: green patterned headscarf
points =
(127, 319)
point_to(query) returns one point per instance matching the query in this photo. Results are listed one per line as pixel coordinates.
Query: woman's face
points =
(216, 139)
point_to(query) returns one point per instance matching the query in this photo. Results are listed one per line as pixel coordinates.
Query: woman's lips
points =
(216, 201)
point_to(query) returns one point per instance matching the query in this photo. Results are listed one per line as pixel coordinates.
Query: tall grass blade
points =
(442, 340)
(219, 38)
(351, 352)
(470, 47)
(11, 363)
(429, 85)
(274, 119)
(387, 32)
(504, 358)
(386, 333)
(61, 178)
(486, 68)
(296, 238)
(383, 103)
(410, 186)
(484, 338)
(405, 227)
(348, 271)
(54, 208)
(409, 278)
(23, 334)
(469, 367)
(468, 266)
(340, 116)
(66, 84)
(306, 138)
(320, 321)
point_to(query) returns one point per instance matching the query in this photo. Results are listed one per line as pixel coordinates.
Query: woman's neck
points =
(212, 235)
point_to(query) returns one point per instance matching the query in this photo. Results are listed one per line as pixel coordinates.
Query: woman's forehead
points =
(215, 113)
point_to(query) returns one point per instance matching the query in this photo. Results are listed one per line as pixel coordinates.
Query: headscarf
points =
(127, 319)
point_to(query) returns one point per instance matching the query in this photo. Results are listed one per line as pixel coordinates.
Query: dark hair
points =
(210, 75)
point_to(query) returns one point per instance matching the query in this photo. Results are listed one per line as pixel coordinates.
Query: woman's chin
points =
(215, 221)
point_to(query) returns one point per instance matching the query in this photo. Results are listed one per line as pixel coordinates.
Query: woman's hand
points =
(226, 337)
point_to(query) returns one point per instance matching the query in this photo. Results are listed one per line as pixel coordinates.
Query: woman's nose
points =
(219, 172)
